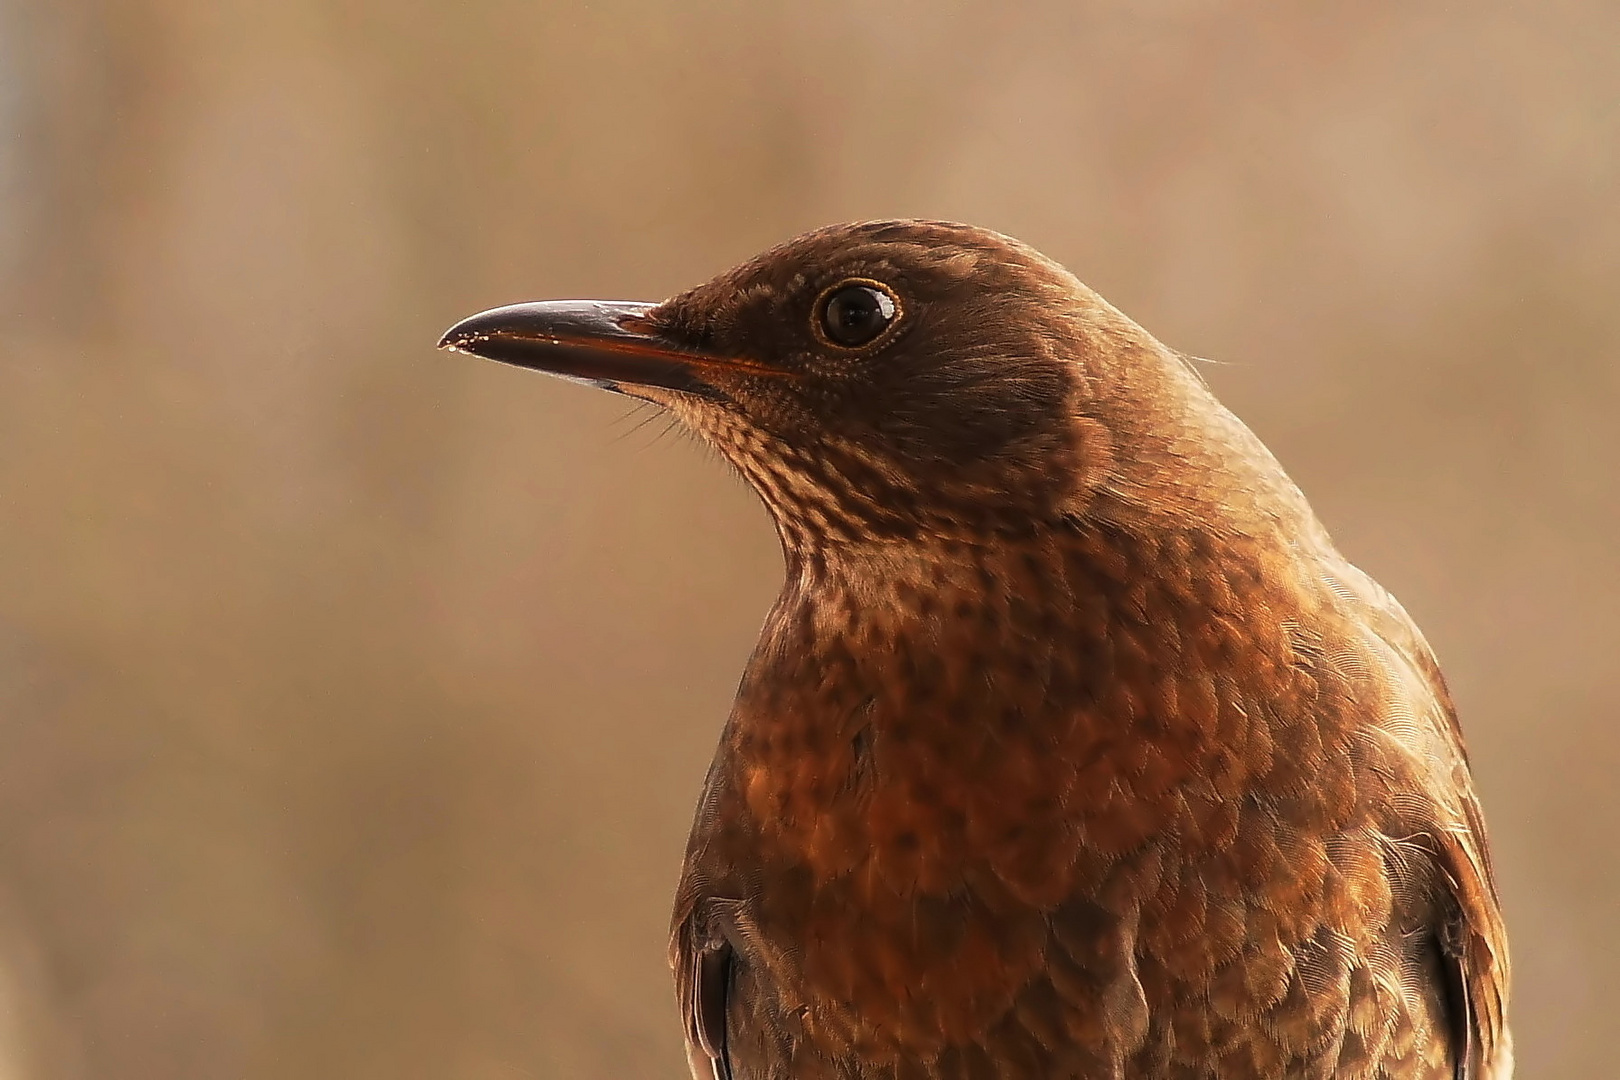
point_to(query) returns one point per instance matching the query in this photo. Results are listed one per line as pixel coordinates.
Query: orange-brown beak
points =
(605, 343)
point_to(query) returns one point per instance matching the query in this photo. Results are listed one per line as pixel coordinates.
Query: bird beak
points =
(605, 343)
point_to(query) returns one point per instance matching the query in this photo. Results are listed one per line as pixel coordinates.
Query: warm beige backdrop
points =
(353, 697)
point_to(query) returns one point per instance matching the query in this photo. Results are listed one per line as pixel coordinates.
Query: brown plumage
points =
(1072, 747)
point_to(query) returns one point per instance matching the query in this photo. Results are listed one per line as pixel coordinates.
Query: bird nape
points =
(1072, 747)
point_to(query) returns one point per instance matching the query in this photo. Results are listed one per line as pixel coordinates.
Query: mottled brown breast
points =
(1099, 804)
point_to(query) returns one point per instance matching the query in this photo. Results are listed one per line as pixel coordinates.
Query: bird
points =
(1072, 747)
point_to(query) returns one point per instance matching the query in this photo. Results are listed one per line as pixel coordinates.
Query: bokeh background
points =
(354, 697)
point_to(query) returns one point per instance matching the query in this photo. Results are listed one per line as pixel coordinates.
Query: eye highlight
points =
(855, 313)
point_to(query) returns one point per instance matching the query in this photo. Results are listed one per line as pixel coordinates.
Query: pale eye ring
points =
(855, 313)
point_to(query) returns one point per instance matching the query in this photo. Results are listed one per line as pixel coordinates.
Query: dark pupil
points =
(857, 314)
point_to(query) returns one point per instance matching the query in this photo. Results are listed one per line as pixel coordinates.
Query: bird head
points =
(871, 381)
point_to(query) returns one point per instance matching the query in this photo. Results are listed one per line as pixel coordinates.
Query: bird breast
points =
(948, 747)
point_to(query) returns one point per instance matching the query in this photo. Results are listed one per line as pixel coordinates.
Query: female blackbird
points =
(1072, 747)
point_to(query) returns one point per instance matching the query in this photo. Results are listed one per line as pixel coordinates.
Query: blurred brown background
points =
(354, 697)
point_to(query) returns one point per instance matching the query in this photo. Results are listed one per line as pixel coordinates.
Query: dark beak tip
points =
(456, 340)
(464, 335)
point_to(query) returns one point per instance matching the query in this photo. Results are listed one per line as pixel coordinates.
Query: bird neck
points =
(1031, 631)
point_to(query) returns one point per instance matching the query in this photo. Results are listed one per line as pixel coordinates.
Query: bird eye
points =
(856, 313)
